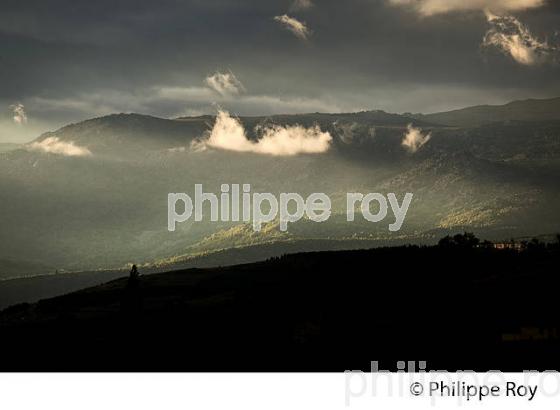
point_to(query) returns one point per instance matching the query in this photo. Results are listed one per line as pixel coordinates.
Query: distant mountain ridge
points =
(124, 133)
(521, 110)
(103, 133)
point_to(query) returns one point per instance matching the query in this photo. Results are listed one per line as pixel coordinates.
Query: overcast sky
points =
(69, 60)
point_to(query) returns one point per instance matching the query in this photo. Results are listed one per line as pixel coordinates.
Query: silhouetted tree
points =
(133, 277)
(464, 240)
(535, 244)
(131, 303)
(446, 242)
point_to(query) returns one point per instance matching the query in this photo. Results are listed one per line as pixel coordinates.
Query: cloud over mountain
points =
(414, 139)
(229, 134)
(54, 145)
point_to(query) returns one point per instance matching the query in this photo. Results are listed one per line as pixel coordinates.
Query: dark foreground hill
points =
(456, 308)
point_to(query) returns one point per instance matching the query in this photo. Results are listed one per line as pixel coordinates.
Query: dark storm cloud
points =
(67, 60)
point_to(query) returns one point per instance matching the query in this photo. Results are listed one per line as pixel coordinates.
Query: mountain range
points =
(92, 195)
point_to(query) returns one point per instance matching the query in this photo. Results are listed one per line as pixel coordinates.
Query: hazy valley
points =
(92, 195)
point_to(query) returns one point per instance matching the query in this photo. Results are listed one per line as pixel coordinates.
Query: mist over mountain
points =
(94, 194)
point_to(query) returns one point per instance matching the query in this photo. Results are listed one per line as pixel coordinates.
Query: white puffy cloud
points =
(432, 7)
(54, 145)
(298, 28)
(229, 134)
(20, 117)
(225, 84)
(506, 32)
(414, 139)
(512, 37)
